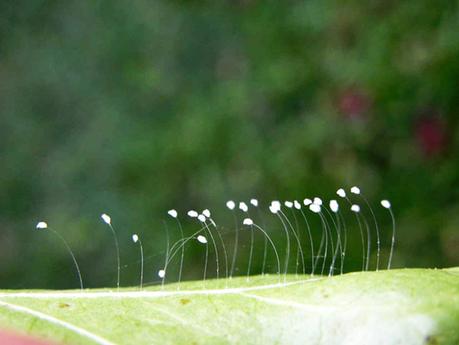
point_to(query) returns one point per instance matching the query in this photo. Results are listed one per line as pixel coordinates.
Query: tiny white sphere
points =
(254, 202)
(276, 204)
(355, 190)
(42, 225)
(274, 209)
(315, 208)
(334, 206)
(206, 213)
(230, 204)
(355, 208)
(288, 204)
(385, 203)
(247, 221)
(341, 192)
(172, 213)
(135, 238)
(192, 214)
(243, 206)
(318, 201)
(297, 204)
(202, 239)
(106, 218)
(307, 202)
(161, 273)
(202, 218)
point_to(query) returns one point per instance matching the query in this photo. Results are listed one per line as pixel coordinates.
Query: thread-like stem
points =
(299, 250)
(325, 231)
(393, 239)
(71, 254)
(297, 239)
(330, 233)
(177, 246)
(265, 244)
(362, 237)
(338, 247)
(166, 259)
(236, 244)
(205, 263)
(183, 253)
(215, 249)
(361, 234)
(378, 240)
(251, 253)
(343, 253)
(310, 240)
(344, 243)
(141, 263)
(274, 248)
(225, 253)
(287, 255)
(341, 248)
(319, 251)
(367, 227)
(117, 247)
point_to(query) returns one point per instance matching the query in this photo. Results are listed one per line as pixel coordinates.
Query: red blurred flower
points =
(354, 104)
(431, 135)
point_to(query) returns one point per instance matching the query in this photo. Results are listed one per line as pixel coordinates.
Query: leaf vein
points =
(42, 316)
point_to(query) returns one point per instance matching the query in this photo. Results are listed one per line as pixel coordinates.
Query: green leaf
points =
(404, 306)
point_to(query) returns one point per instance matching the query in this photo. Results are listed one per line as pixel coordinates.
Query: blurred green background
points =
(133, 108)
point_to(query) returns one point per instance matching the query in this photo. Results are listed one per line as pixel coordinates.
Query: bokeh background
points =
(136, 107)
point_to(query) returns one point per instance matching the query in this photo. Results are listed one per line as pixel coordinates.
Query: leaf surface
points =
(405, 306)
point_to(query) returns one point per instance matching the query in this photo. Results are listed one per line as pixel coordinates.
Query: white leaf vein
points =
(42, 316)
